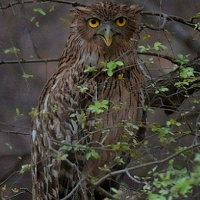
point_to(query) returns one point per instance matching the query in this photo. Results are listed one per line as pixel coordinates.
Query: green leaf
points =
(161, 89)
(52, 8)
(156, 197)
(104, 103)
(150, 61)
(182, 186)
(197, 15)
(25, 168)
(79, 147)
(110, 73)
(95, 154)
(15, 190)
(119, 63)
(88, 156)
(147, 37)
(93, 179)
(61, 156)
(143, 49)
(33, 112)
(90, 69)
(64, 157)
(173, 122)
(82, 89)
(17, 111)
(12, 50)
(9, 145)
(181, 59)
(186, 72)
(27, 76)
(197, 26)
(39, 10)
(99, 106)
(119, 160)
(32, 19)
(197, 157)
(111, 66)
(158, 46)
(67, 147)
(116, 191)
(37, 24)
(66, 21)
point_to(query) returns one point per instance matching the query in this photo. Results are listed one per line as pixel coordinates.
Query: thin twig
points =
(72, 3)
(23, 191)
(74, 189)
(169, 58)
(10, 176)
(102, 191)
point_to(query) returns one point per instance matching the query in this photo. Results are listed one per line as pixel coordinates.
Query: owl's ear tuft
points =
(81, 10)
(136, 8)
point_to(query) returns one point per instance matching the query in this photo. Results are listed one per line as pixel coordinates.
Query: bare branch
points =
(45, 60)
(110, 196)
(166, 17)
(72, 3)
(14, 132)
(9, 177)
(15, 3)
(145, 164)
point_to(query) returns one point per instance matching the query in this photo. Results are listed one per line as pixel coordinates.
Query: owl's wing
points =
(61, 127)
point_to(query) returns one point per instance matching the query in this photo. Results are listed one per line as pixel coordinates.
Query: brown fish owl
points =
(88, 109)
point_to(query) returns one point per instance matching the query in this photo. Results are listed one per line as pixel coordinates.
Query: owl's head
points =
(106, 24)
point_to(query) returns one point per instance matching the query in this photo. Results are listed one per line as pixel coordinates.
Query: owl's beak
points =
(108, 38)
(107, 35)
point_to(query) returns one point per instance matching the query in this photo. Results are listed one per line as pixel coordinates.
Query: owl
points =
(89, 108)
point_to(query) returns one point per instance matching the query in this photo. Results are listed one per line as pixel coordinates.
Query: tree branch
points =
(169, 58)
(45, 60)
(72, 3)
(96, 184)
(3, 62)
(167, 18)
(14, 132)
(171, 99)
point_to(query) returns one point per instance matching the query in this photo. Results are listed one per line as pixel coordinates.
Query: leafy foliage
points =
(173, 183)
(111, 66)
(99, 106)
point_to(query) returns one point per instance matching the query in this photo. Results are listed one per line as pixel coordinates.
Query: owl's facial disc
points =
(106, 34)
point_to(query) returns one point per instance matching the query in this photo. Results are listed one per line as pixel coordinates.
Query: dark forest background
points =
(32, 31)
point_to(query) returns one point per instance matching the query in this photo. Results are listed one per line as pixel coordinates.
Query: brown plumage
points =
(72, 145)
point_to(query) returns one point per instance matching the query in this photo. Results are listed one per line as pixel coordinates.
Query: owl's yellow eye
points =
(121, 21)
(93, 22)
